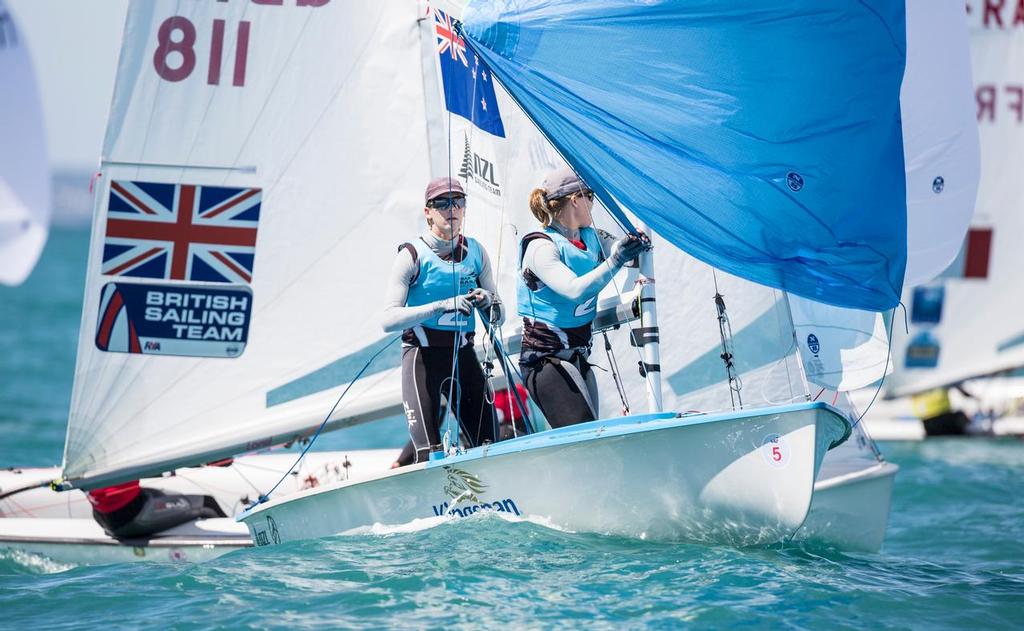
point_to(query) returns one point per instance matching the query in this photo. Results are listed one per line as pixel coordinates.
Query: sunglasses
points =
(444, 203)
(588, 194)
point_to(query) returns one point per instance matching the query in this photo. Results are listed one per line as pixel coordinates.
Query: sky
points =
(74, 46)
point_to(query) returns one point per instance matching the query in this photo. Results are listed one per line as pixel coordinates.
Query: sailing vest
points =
(540, 302)
(438, 279)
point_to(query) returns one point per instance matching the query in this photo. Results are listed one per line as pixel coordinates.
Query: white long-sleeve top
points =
(397, 314)
(542, 258)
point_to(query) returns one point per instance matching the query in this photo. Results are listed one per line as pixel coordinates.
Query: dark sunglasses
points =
(588, 194)
(444, 203)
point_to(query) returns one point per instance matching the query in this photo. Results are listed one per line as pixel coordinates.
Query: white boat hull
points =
(851, 511)
(83, 542)
(744, 478)
(234, 486)
(60, 526)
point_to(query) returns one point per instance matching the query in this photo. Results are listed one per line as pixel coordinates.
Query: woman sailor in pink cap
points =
(563, 267)
(437, 283)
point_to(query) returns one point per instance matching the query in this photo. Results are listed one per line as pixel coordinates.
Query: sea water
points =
(953, 556)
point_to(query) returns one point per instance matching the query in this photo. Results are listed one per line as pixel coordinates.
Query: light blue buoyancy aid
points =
(439, 280)
(542, 303)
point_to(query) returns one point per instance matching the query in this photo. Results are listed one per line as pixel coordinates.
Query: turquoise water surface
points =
(953, 558)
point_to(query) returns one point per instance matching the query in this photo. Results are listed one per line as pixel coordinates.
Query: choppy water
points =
(954, 556)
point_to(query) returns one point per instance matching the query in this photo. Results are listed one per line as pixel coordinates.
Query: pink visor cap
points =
(443, 186)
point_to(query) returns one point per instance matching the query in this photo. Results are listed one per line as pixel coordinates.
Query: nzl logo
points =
(479, 169)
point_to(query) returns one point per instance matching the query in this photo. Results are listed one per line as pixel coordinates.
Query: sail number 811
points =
(175, 56)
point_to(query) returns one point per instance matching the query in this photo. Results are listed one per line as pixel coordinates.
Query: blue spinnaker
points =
(762, 137)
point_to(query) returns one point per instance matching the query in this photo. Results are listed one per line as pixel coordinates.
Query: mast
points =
(646, 335)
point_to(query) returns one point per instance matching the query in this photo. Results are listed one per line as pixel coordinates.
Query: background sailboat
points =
(964, 324)
(24, 167)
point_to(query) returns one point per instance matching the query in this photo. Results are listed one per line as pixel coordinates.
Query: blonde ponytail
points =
(543, 209)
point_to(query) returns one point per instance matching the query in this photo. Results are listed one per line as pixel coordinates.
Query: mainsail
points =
(246, 212)
(746, 134)
(24, 166)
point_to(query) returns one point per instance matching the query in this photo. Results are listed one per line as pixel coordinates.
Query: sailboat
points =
(251, 338)
(24, 166)
(657, 501)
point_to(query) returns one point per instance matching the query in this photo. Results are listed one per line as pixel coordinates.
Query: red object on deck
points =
(111, 498)
(504, 404)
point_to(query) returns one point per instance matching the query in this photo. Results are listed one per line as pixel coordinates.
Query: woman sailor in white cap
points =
(563, 267)
(437, 283)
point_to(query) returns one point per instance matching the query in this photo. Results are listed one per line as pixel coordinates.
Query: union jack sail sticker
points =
(181, 232)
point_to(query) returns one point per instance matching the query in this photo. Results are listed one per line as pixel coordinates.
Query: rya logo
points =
(479, 169)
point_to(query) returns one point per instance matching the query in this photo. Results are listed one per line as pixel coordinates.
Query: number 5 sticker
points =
(775, 451)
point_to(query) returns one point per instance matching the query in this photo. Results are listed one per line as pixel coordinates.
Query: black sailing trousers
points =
(426, 381)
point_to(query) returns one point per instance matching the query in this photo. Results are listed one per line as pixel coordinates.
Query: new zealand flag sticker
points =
(468, 84)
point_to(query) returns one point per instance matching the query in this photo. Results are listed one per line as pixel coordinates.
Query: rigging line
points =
(496, 341)
(867, 435)
(725, 331)
(456, 273)
(510, 382)
(452, 408)
(266, 496)
(614, 365)
(22, 489)
(881, 382)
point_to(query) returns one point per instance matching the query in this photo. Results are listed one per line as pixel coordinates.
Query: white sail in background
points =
(242, 99)
(967, 323)
(846, 349)
(940, 137)
(25, 198)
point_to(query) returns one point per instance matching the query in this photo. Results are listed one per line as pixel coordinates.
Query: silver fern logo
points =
(466, 171)
(479, 169)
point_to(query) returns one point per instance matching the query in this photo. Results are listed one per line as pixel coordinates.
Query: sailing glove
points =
(461, 304)
(481, 298)
(626, 249)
